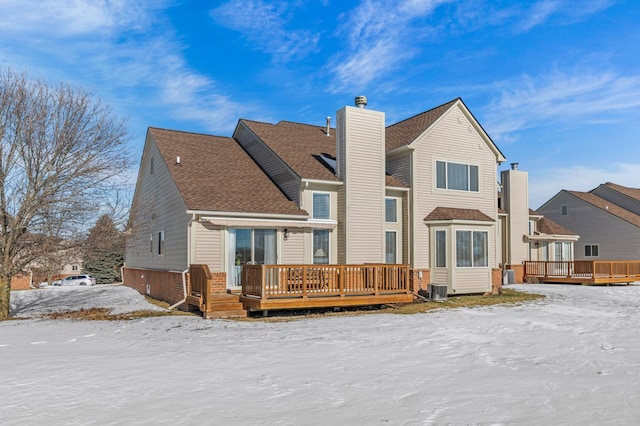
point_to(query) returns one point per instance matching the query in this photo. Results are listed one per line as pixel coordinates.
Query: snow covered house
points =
(309, 201)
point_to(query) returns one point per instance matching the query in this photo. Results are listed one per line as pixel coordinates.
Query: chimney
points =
(361, 101)
(328, 125)
(514, 166)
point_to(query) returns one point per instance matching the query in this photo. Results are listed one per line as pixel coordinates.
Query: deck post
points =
(304, 281)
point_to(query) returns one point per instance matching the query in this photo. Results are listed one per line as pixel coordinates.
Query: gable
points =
(414, 130)
(215, 174)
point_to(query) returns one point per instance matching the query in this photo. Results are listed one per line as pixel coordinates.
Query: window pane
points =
(320, 206)
(473, 178)
(587, 250)
(457, 176)
(441, 249)
(463, 248)
(441, 175)
(594, 250)
(480, 249)
(391, 210)
(321, 246)
(264, 246)
(390, 247)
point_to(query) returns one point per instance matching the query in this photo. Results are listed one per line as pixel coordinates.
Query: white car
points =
(82, 279)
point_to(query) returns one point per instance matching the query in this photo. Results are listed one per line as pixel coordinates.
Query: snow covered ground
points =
(573, 358)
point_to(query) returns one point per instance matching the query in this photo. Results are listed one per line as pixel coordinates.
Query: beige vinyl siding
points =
(208, 245)
(452, 139)
(293, 249)
(617, 239)
(516, 202)
(158, 208)
(617, 198)
(273, 166)
(341, 192)
(364, 184)
(470, 280)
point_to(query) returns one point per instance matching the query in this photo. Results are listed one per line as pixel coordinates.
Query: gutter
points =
(184, 273)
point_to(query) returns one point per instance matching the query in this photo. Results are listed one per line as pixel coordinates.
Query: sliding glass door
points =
(246, 246)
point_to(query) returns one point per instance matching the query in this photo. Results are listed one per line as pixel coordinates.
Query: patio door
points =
(249, 246)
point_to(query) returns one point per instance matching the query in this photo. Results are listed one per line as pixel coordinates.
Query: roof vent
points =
(328, 125)
(361, 101)
(178, 159)
(514, 166)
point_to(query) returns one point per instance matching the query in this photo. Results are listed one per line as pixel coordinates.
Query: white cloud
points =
(266, 26)
(70, 18)
(544, 184)
(583, 97)
(380, 36)
(567, 12)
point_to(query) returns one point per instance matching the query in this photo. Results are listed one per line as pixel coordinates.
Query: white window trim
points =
(592, 245)
(455, 249)
(312, 207)
(458, 191)
(435, 249)
(398, 209)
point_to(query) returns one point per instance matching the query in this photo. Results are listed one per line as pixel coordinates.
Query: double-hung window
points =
(456, 176)
(591, 250)
(472, 249)
(321, 205)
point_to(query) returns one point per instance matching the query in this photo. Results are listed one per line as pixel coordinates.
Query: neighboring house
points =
(527, 234)
(420, 192)
(607, 218)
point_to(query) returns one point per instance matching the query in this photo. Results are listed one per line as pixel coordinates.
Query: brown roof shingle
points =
(549, 227)
(449, 213)
(406, 131)
(629, 192)
(298, 145)
(216, 174)
(608, 207)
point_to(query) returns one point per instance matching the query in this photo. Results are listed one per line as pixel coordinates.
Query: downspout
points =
(184, 273)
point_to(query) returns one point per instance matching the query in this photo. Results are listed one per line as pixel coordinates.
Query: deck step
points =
(225, 306)
(235, 313)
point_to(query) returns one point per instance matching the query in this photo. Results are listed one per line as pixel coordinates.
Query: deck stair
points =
(224, 306)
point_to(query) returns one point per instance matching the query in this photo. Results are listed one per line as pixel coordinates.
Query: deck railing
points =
(200, 282)
(582, 269)
(282, 281)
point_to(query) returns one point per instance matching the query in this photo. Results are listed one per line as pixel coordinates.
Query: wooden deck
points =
(271, 287)
(583, 271)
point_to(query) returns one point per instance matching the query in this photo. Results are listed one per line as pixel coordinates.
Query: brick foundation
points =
(161, 285)
(416, 282)
(496, 281)
(21, 282)
(519, 272)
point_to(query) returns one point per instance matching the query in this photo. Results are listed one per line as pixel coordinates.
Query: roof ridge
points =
(425, 112)
(188, 132)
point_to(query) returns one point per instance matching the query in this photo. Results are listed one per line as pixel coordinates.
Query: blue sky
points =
(555, 83)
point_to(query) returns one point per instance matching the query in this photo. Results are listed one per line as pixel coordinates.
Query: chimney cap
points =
(514, 166)
(361, 101)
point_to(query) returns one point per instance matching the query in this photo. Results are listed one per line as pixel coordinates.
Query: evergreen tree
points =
(104, 253)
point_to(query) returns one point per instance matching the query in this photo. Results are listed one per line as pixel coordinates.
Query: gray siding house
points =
(607, 218)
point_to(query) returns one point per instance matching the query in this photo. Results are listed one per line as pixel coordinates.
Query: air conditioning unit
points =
(437, 292)
(509, 277)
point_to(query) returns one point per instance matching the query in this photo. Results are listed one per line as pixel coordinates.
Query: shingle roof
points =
(449, 213)
(406, 131)
(629, 192)
(216, 174)
(549, 227)
(608, 207)
(392, 181)
(298, 145)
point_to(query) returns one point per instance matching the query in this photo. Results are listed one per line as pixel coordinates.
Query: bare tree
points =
(60, 147)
